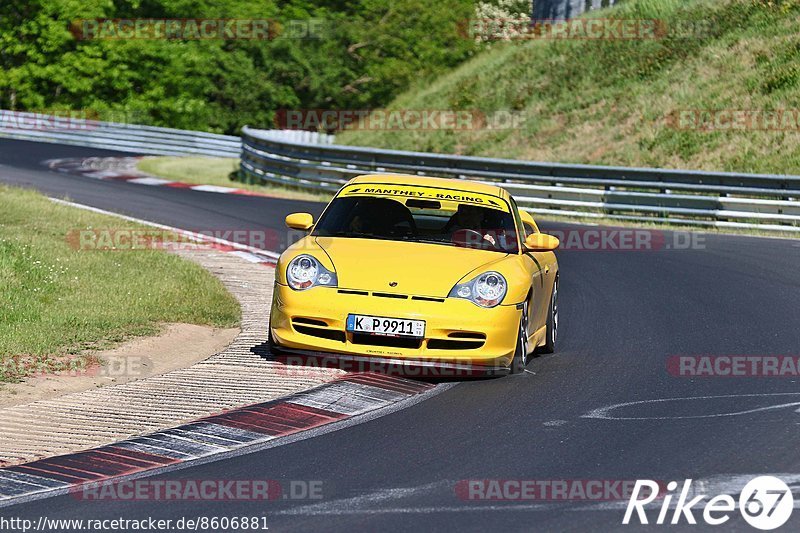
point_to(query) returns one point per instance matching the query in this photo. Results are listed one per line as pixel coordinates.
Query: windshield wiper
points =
(352, 234)
(435, 241)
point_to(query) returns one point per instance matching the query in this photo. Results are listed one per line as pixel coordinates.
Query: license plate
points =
(388, 327)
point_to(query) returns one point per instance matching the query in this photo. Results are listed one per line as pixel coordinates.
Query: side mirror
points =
(541, 242)
(301, 221)
(527, 220)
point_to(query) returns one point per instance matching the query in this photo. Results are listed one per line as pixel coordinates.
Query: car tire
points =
(552, 322)
(521, 353)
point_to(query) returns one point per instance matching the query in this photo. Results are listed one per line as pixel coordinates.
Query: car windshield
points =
(421, 214)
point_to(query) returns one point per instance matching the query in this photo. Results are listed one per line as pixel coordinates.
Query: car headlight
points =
(305, 272)
(486, 290)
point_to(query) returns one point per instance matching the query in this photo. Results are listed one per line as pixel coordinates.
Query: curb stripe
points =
(247, 256)
(214, 188)
(119, 459)
(404, 386)
(230, 430)
(145, 445)
(202, 438)
(155, 460)
(124, 169)
(100, 174)
(177, 445)
(62, 465)
(149, 181)
(93, 466)
(279, 420)
(47, 473)
(347, 398)
(235, 424)
(236, 436)
(16, 483)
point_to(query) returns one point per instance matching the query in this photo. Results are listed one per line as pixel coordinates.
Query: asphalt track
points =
(623, 314)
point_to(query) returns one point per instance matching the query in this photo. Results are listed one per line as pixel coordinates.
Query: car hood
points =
(416, 268)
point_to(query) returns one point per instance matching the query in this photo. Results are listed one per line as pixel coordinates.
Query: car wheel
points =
(521, 353)
(552, 322)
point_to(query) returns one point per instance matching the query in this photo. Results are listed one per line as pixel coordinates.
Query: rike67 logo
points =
(765, 503)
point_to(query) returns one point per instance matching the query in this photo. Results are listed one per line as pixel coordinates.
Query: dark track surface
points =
(623, 314)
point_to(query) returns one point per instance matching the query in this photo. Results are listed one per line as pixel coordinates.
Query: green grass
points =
(58, 302)
(217, 171)
(609, 102)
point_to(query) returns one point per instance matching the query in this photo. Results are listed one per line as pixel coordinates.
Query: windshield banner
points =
(425, 193)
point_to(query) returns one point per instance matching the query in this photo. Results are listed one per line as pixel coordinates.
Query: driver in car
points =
(470, 218)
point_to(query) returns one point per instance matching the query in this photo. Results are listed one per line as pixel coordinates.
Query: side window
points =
(529, 230)
(529, 223)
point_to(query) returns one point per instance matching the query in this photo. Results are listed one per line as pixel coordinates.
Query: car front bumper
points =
(457, 332)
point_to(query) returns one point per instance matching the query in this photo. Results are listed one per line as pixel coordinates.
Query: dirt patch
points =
(178, 346)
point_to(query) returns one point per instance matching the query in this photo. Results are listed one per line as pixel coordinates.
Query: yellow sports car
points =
(418, 270)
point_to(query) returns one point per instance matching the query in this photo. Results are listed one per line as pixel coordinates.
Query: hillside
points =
(620, 102)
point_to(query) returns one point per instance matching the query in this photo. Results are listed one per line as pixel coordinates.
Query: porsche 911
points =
(414, 269)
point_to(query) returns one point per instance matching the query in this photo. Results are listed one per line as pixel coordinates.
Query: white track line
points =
(197, 236)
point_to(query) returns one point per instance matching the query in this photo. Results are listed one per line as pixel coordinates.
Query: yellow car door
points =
(542, 267)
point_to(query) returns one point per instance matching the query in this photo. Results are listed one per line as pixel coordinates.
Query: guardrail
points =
(115, 136)
(720, 199)
(311, 161)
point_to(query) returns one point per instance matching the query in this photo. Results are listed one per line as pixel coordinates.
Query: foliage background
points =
(371, 51)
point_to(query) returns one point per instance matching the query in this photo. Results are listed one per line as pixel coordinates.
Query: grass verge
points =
(217, 171)
(57, 301)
